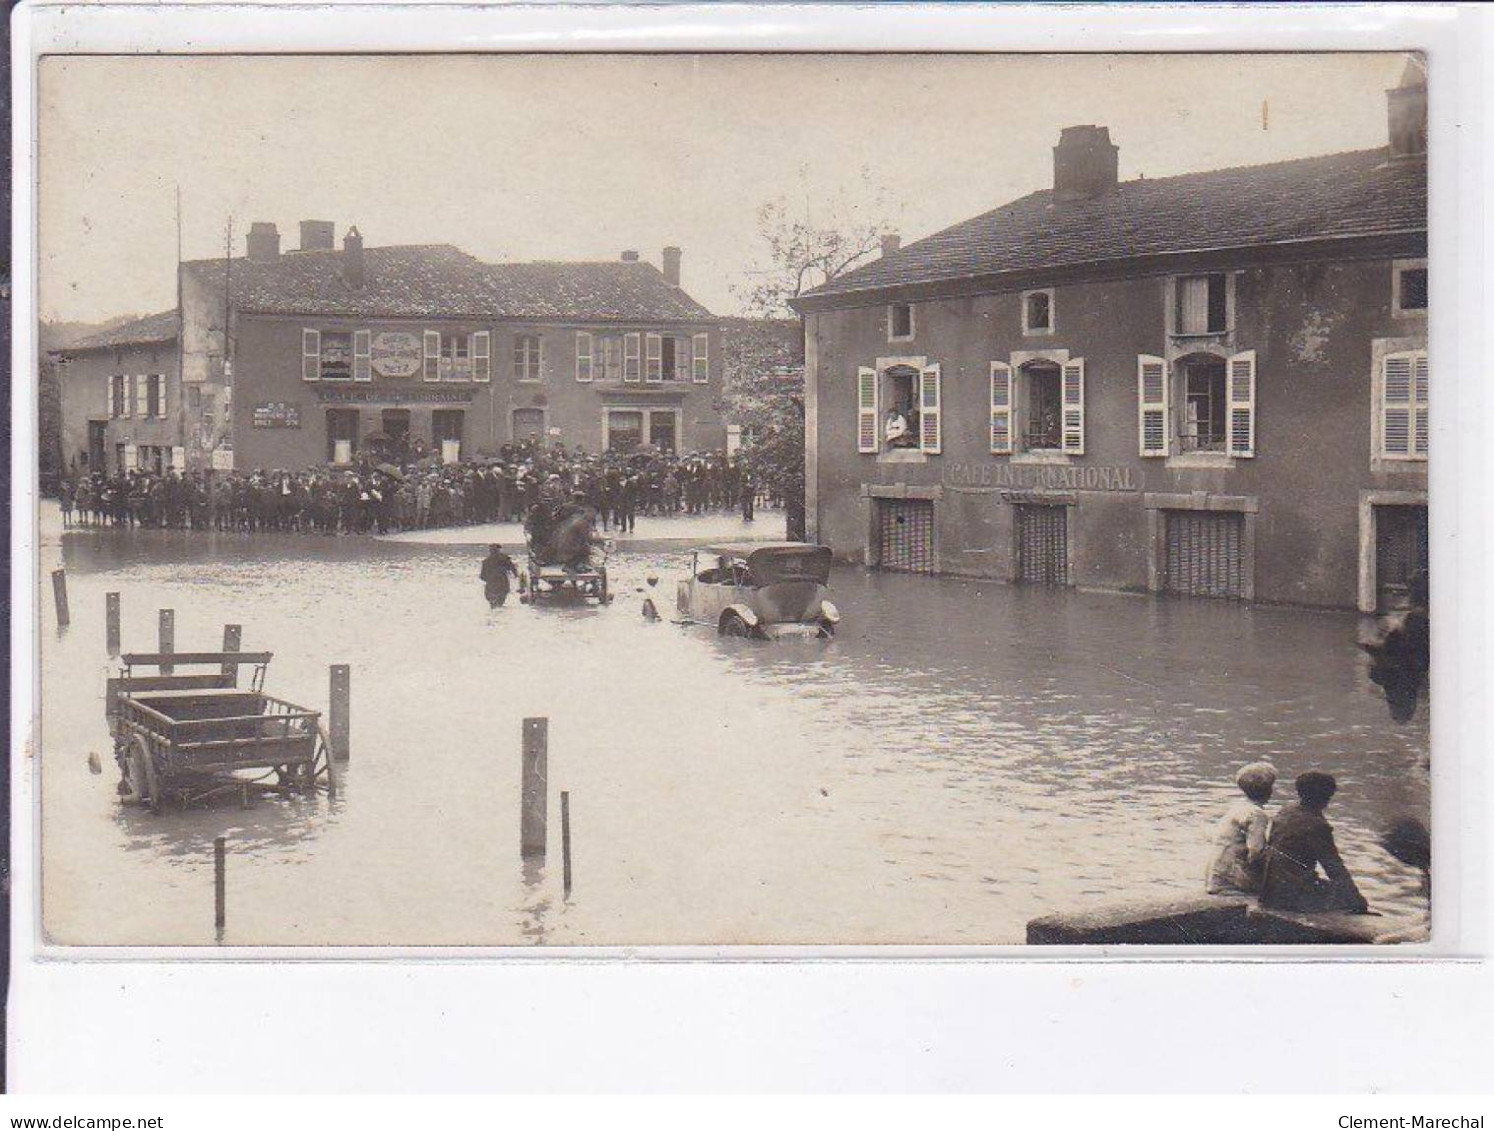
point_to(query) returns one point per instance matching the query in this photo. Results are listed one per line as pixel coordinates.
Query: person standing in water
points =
(497, 568)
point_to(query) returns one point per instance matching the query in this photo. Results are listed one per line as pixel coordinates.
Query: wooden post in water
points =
(339, 721)
(232, 635)
(534, 788)
(168, 638)
(565, 838)
(220, 885)
(111, 623)
(59, 594)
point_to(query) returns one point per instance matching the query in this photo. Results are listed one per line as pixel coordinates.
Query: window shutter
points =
(1152, 404)
(1073, 406)
(113, 400)
(867, 424)
(482, 356)
(1242, 404)
(179, 459)
(362, 355)
(700, 358)
(142, 397)
(654, 359)
(930, 411)
(1001, 408)
(1396, 405)
(584, 356)
(160, 395)
(311, 354)
(1419, 394)
(631, 356)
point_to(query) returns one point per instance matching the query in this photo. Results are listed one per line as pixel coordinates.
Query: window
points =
(900, 409)
(431, 355)
(632, 365)
(1037, 312)
(654, 359)
(337, 356)
(1042, 400)
(1215, 396)
(311, 354)
(899, 322)
(362, 355)
(672, 366)
(482, 356)
(584, 356)
(1202, 428)
(1404, 406)
(1047, 405)
(1201, 305)
(155, 396)
(119, 396)
(142, 397)
(456, 357)
(526, 357)
(700, 355)
(1410, 288)
(624, 429)
(612, 354)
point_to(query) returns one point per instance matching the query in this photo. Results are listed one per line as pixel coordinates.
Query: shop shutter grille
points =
(1205, 554)
(1043, 544)
(1400, 551)
(905, 532)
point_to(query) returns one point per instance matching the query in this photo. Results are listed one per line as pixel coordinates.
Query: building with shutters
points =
(1212, 384)
(330, 351)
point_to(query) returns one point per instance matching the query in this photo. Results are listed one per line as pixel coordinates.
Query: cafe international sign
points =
(396, 353)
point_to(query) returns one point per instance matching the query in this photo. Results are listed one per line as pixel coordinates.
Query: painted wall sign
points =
(394, 396)
(277, 414)
(396, 353)
(1040, 477)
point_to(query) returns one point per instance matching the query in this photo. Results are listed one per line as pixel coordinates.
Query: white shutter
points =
(1241, 393)
(867, 424)
(1420, 381)
(1152, 404)
(1073, 406)
(584, 356)
(431, 355)
(632, 357)
(179, 459)
(1001, 408)
(311, 354)
(653, 359)
(482, 356)
(113, 404)
(1396, 395)
(131, 456)
(161, 396)
(700, 358)
(930, 410)
(362, 355)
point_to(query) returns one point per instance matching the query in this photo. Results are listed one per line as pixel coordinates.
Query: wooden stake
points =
(59, 593)
(220, 885)
(339, 723)
(232, 635)
(168, 637)
(534, 787)
(565, 838)
(111, 623)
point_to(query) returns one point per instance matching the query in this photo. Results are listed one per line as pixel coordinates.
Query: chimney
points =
(352, 259)
(263, 243)
(672, 266)
(890, 243)
(1406, 106)
(1085, 163)
(630, 257)
(317, 235)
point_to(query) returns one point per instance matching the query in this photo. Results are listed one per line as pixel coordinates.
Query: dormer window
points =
(1201, 305)
(1037, 312)
(1409, 294)
(900, 322)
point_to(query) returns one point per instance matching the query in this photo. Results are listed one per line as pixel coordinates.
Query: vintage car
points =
(760, 589)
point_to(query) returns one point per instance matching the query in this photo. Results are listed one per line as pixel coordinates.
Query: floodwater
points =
(961, 758)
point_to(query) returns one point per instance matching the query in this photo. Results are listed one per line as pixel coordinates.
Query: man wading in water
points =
(496, 570)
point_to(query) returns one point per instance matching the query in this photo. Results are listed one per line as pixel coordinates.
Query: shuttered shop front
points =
(1206, 554)
(905, 534)
(1042, 544)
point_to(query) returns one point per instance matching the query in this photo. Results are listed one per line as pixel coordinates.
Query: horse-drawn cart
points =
(182, 737)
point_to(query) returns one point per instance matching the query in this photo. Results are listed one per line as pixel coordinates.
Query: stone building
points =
(1212, 384)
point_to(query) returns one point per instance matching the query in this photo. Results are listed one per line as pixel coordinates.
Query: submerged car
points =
(760, 589)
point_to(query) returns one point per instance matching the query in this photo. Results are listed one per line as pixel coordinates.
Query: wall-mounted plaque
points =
(277, 414)
(396, 353)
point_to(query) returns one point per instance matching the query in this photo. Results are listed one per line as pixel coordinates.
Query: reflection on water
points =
(961, 758)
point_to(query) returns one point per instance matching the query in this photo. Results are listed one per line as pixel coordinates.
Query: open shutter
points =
(482, 356)
(1242, 404)
(1420, 380)
(112, 385)
(700, 358)
(866, 409)
(1396, 401)
(311, 354)
(930, 411)
(632, 363)
(1001, 408)
(1152, 404)
(1073, 406)
(431, 355)
(362, 355)
(160, 383)
(584, 356)
(653, 359)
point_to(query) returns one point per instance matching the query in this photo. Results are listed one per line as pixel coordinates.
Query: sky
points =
(523, 157)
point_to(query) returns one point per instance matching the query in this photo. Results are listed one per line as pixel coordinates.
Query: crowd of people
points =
(385, 497)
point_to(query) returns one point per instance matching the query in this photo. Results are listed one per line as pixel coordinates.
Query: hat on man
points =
(1258, 776)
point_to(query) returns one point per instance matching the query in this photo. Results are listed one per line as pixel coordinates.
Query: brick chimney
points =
(1406, 107)
(352, 259)
(263, 242)
(1085, 163)
(630, 257)
(672, 266)
(890, 243)
(317, 235)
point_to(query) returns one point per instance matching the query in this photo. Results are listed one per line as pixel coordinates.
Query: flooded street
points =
(961, 758)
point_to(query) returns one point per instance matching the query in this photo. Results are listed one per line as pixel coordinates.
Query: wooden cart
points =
(182, 737)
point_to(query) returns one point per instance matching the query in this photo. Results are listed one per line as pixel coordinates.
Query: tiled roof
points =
(438, 280)
(150, 330)
(1363, 193)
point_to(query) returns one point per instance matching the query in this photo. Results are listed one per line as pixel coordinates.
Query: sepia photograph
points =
(734, 499)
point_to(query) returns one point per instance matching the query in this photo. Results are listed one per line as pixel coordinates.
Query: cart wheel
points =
(145, 786)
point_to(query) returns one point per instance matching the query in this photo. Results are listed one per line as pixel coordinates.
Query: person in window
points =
(1300, 841)
(1240, 843)
(895, 429)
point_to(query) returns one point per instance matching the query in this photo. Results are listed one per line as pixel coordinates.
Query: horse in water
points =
(572, 536)
(1401, 660)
